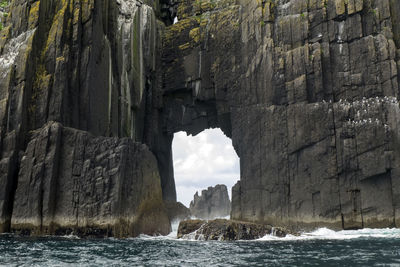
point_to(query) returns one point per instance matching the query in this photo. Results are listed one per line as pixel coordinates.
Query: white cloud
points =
(203, 160)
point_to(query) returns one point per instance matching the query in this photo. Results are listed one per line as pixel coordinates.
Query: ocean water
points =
(367, 247)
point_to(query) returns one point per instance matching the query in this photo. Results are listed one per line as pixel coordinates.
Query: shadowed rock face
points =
(73, 182)
(307, 90)
(213, 203)
(89, 65)
(227, 230)
(177, 211)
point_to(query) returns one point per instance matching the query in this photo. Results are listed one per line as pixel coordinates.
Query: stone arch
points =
(195, 78)
(203, 160)
(275, 82)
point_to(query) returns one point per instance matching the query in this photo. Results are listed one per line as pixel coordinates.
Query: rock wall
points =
(73, 182)
(89, 65)
(213, 203)
(307, 90)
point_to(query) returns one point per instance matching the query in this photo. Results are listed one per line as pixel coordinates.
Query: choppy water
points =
(324, 247)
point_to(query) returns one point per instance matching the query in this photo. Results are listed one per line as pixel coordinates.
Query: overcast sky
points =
(204, 160)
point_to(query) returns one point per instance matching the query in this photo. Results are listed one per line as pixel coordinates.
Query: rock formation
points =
(177, 211)
(72, 182)
(227, 230)
(307, 90)
(89, 65)
(213, 203)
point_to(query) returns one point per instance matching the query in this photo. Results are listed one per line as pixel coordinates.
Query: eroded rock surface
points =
(89, 65)
(213, 203)
(73, 182)
(227, 230)
(177, 211)
(307, 90)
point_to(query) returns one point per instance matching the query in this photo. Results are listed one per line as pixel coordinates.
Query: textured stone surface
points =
(227, 230)
(71, 181)
(177, 211)
(88, 65)
(212, 203)
(307, 90)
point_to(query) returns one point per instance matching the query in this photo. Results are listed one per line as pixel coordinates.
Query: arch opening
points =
(203, 160)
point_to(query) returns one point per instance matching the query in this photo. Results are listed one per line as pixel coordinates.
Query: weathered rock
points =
(71, 181)
(213, 203)
(89, 65)
(177, 211)
(273, 75)
(227, 230)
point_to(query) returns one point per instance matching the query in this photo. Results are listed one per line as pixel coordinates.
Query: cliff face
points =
(72, 181)
(88, 65)
(213, 203)
(307, 90)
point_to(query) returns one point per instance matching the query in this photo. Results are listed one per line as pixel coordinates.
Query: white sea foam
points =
(71, 236)
(174, 226)
(171, 236)
(327, 234)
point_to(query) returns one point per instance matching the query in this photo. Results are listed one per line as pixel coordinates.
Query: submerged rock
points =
(213, 203)
(221, 229)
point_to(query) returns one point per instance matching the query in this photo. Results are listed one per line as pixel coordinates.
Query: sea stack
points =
(213, 203)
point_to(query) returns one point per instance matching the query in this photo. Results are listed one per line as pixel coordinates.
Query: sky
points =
(204, 160)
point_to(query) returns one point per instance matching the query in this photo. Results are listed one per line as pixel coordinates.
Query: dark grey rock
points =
(213, 203)
(227, 230)
(308, 93)
(177, 211)
(73, 182)
(307, 90)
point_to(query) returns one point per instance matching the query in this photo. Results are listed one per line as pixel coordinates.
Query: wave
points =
(318, 234)
(70, 236)
(328, 234)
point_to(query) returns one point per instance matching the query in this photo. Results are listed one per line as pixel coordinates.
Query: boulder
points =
(227, 230)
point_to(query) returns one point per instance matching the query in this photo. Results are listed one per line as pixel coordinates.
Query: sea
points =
(323, 247)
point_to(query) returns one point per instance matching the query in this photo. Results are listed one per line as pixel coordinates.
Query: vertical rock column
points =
(73, 182)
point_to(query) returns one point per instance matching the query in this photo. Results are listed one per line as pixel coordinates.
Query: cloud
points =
(203, 160)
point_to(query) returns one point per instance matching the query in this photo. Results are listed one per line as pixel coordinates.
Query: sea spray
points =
(323, 247)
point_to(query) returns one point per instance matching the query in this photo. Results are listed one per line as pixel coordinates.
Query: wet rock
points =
(71, 181)
(307, 90)
(213, 203)
(177, 211)
(225, 230)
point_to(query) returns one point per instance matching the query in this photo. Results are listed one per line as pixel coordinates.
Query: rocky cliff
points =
(211, 204)
(307, 90)
(89, 65)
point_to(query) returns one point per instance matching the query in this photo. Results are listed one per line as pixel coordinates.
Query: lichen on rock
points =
(307, 90)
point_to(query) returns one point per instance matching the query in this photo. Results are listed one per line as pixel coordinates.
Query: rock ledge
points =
(227, 230)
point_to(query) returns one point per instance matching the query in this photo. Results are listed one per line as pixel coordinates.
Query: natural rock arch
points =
(204, 160)
(307, 90)
(271, 76)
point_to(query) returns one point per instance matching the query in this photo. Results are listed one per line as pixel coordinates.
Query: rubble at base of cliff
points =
(227, 230)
